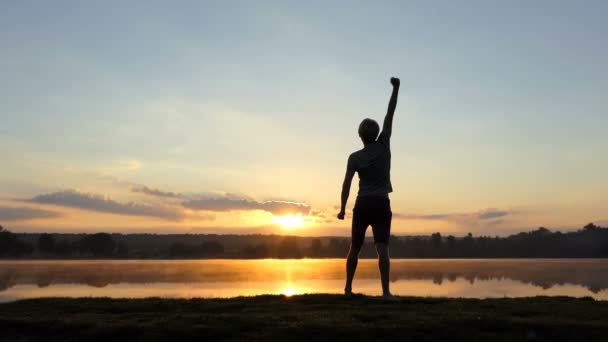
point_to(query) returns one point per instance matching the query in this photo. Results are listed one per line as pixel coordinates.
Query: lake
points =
(479, 278)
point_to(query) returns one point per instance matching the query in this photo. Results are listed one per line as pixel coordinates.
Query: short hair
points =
(369, 130)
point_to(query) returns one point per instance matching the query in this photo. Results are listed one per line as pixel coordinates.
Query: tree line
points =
(589, 242)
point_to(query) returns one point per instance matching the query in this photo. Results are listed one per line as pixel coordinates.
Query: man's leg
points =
(351, 267)
(384, 264)
(382, 231)
(358, 228)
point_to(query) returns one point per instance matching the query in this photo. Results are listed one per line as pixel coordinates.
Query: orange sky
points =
(500, 126)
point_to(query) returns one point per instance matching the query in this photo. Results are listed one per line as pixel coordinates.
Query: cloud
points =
(25, 213)
(319, 214)
(233, 204)
(422, 217)
(491, 213)
(156, 192)
(99, 203)
(483, 214)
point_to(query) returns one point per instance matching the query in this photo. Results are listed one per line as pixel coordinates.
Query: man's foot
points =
(388, 297)
(348, 292)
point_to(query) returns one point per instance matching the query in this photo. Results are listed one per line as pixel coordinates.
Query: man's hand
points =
(341, 215)
(395, 82)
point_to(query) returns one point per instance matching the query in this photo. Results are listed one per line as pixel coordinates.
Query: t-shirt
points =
(373, 164)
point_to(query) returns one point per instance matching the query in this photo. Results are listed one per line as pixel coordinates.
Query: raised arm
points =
(348, 178)
(387, 127)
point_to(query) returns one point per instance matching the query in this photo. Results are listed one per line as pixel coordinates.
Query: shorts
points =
(374, 211)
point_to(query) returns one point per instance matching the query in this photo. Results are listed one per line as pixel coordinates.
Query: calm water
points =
(228, 278)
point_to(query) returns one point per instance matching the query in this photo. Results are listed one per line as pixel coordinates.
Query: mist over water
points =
(477, 278)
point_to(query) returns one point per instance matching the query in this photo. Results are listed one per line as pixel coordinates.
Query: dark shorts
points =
(374, 211)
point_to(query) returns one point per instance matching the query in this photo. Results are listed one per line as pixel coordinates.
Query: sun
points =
(288, 292)
(289, 220)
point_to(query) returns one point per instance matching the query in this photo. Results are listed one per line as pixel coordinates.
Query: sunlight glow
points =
(289, 220)
(289, 292)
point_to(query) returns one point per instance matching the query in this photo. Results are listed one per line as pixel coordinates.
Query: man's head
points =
(368, 131)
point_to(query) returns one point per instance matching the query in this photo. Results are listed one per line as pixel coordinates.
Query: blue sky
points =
(502, 108)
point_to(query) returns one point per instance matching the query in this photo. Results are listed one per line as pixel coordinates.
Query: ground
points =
(304, 318)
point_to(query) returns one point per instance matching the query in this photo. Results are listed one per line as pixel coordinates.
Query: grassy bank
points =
(303, 318)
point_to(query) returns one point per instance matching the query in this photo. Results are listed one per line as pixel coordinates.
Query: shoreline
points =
(323, 317)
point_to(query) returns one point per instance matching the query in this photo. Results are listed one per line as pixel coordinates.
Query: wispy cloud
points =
(491, 213)
(25, 213)
(484, 214)
(156, 192)
(99, 203)
(233, 204)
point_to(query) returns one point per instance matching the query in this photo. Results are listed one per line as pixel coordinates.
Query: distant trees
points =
(46, 243)
(288, 248)
(338, 247)
(259, 251)
(437, 244)
(63, 249)
(203, 250)
(11, 246)
(98, 245)
(316, 248)
(122, 249)
(588, 227)
(589, 242)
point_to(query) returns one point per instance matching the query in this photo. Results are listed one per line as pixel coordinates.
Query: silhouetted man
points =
(372, 207)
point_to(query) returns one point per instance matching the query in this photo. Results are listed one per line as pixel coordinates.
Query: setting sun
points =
(288, 292)
(289, 221)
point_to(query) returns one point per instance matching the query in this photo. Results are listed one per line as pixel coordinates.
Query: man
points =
(372, 207)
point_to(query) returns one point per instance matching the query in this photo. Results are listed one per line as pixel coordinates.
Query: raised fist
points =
(395, 81)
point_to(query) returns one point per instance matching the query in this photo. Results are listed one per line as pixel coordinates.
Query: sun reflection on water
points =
(229, 278)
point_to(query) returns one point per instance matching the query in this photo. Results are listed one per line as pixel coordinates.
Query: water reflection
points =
(226, 278)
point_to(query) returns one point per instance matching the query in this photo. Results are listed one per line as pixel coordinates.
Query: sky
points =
(239, 116)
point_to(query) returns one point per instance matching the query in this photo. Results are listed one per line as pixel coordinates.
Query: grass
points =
(305, 318)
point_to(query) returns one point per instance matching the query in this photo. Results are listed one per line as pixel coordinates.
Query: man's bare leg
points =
(384, 263)
(351, 267)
